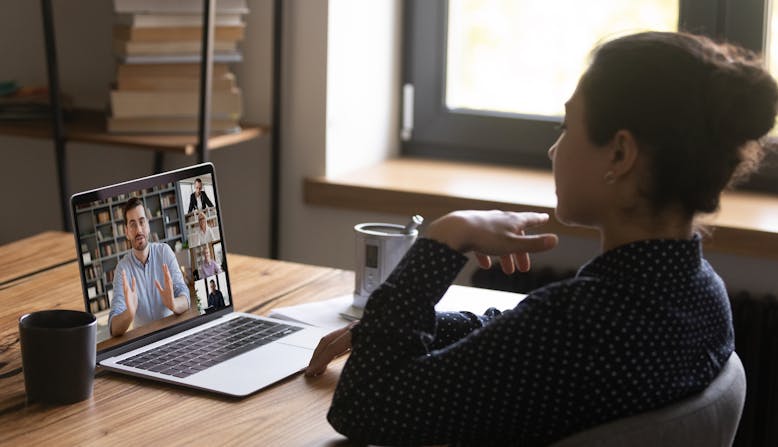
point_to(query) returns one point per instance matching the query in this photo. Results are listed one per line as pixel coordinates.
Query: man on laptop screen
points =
(150, 285)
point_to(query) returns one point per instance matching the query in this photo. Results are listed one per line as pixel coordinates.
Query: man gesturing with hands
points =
(139, 294)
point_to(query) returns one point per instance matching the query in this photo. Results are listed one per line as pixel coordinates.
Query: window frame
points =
(504, 138)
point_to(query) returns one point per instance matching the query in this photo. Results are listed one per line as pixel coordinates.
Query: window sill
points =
(747, 223)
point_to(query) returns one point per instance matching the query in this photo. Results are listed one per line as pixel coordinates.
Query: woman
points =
(203, 234)
(658, 126)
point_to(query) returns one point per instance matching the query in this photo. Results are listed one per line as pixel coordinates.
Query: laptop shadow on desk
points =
(194, 392)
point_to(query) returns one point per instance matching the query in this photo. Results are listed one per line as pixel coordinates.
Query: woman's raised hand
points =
(493, 233)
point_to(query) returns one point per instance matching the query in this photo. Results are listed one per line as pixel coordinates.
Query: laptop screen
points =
(151, 253)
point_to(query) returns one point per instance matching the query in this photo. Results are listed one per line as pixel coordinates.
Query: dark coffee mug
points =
(58, 355)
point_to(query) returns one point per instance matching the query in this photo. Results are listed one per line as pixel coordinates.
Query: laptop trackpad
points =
(256, 369)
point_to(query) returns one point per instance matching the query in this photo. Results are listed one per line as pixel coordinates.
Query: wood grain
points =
(88, 126)
(34, 253)
(124, 410)
(746, 224)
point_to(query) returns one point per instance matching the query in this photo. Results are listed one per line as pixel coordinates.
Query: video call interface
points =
(180, 215)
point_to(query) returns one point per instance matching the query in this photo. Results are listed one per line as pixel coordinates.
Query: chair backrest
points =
(709, 418)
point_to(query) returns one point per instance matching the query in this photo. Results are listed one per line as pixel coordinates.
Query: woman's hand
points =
(332, 345)
(493, 233)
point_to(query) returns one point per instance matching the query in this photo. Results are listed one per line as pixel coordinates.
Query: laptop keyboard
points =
(196, 352)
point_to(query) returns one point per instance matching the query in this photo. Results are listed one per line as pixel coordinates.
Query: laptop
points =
(193, 337)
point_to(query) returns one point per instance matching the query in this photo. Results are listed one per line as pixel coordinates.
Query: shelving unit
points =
(88, 126)
(103, 241)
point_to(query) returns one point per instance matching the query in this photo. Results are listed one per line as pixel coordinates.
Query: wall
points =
(340, 106)
(340, 112)
(83, 29)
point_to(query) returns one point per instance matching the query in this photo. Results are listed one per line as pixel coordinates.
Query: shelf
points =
(88, 126)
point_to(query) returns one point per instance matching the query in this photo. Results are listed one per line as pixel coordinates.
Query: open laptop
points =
(195, 340)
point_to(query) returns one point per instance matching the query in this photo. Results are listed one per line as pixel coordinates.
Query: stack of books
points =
(158, 47)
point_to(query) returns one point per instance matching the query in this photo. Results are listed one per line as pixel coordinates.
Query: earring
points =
(609, 178)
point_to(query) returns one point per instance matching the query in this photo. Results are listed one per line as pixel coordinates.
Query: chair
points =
(706, 419)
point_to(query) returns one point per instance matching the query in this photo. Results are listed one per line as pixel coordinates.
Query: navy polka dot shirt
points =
(639, 327)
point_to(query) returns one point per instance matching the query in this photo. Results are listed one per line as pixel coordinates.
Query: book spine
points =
(170, 104)
(179, 33)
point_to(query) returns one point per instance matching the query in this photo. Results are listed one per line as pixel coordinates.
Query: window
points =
(489, 78)
(494, 62)
(771, 40)
(767, 178)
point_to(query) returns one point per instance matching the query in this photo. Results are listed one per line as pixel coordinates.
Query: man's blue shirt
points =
(150, 306)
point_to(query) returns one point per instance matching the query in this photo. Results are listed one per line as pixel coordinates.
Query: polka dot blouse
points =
(637, 328)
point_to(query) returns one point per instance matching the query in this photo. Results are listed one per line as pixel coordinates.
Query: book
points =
(132, 48)
(175, 33)
(136, 104)
(338, 311)
(8, 87)
(190, 83)
(25, 95)
(29, 103)
(171, 70)
(176, 20)
(23, 112)
(177, 6)
(224, 58)
(175, 125)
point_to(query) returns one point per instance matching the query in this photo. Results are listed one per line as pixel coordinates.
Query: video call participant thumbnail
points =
(199, 197)
(203, 234)
(215, 297)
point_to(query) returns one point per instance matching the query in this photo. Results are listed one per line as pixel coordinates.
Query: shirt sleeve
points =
(179, 286)
(192, 203)
(402, 385)
(206, 200)
(453, 326)
(118, 305)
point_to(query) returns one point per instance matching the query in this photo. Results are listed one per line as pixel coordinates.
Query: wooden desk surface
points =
(29, 255)
(126, 410)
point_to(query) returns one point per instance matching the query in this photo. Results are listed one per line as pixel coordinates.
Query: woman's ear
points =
(624, 153)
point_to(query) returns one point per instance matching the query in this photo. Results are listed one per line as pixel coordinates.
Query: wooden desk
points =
(30, 255)
(125, 410)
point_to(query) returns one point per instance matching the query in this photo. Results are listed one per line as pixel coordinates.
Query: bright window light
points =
(771, 50)
(771, 47)
(525, 56)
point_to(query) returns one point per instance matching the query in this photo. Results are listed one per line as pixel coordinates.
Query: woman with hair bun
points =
(659, 125)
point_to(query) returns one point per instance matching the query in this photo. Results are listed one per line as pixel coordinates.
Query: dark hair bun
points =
(743, 101)
(697, 108)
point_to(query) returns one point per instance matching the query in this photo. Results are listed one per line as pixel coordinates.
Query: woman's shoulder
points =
(569, 292)
(576, 296)
(566, 287)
